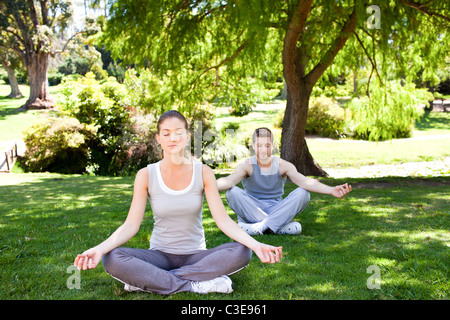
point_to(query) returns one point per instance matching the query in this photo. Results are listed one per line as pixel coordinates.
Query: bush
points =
(389, 113)
(21, 76)
(74, 65)
(224, 147)
(239, 109)
(326, 118)
(124, 117)
(58, 145)
(137, 144)
(99, 105)
(99, 72)
(115, 70)
(55, 78)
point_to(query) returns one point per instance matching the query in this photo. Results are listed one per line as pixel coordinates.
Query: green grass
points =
(354, 153)
(331, 153)
(14, 123)
(399, 224)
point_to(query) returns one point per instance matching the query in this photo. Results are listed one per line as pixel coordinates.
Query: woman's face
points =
(173, 136)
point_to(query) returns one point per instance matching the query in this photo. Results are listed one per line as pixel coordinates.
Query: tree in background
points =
(10, 61)
(32, 25)
(228, 50)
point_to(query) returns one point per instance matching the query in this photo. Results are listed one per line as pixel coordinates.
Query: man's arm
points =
(233, 179)
(288, 169)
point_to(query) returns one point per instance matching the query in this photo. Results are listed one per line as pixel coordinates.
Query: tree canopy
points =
(213, 50)
(29, 27)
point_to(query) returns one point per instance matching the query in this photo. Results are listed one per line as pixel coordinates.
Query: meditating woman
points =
(178, 259)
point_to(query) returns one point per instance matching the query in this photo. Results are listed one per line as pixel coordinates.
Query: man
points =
(260, 207)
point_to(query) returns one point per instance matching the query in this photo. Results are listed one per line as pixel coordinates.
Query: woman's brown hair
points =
(171, 114)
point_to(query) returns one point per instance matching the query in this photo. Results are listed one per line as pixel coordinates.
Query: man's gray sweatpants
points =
(165, 273)
(278, 212)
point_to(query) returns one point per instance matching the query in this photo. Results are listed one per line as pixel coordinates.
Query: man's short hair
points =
(262, 132)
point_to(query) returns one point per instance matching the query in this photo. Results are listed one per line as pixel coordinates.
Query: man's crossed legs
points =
(256, 216)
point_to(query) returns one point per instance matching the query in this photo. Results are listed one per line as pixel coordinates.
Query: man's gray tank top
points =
(265, 184)
(178, 227)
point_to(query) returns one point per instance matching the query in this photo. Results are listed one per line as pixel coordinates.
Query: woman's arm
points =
(91, 258)
(266, 253)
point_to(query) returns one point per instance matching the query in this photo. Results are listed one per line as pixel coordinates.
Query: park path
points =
(439, 167)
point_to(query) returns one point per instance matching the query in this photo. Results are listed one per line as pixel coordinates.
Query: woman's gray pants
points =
(165, 273)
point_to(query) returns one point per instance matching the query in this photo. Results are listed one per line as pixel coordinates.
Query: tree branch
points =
(337, 45)
(423, 8)
(372, 61)
(66, 44)
(297, 22)
(227, 59)
(34, 17)
(44, 12)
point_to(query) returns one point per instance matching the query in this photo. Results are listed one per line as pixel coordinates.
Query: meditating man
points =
(260, 207)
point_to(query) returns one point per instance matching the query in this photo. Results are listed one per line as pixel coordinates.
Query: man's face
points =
(263, 148)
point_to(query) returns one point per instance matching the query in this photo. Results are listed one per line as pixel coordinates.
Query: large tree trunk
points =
(293, 144)
(37, 65)
(13, 83)
(299, 87)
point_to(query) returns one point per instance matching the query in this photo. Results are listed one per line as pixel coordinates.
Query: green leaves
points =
(205, 50)
(388, 113)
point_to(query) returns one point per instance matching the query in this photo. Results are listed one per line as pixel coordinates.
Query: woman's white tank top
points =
(178, 227)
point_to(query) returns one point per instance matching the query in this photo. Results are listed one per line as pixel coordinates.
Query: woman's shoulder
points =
(142, 173)
(141, 178)
(206, 169)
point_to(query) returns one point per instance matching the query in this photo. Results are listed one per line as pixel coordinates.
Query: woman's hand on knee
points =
(268, 254)
(88, 259)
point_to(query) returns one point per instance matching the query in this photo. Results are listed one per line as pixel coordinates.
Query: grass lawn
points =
(13, 123)
(400, 225)
(332, 153)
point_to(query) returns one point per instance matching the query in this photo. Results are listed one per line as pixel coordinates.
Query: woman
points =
(177, 259)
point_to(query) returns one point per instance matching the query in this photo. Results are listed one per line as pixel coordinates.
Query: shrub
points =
(326, 118)
(99, 105)
(99, 72)
(239, 109)
(21, 76)
(55, 78)
(124, 116)
(72, 65)
(389, 113)
(223, 147)
(138, 146)
(115, 70)
(278, 119)
(58, 145)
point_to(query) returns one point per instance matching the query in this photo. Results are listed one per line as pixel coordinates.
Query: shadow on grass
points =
(400, 225)
(10, 106)
(433, 120)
